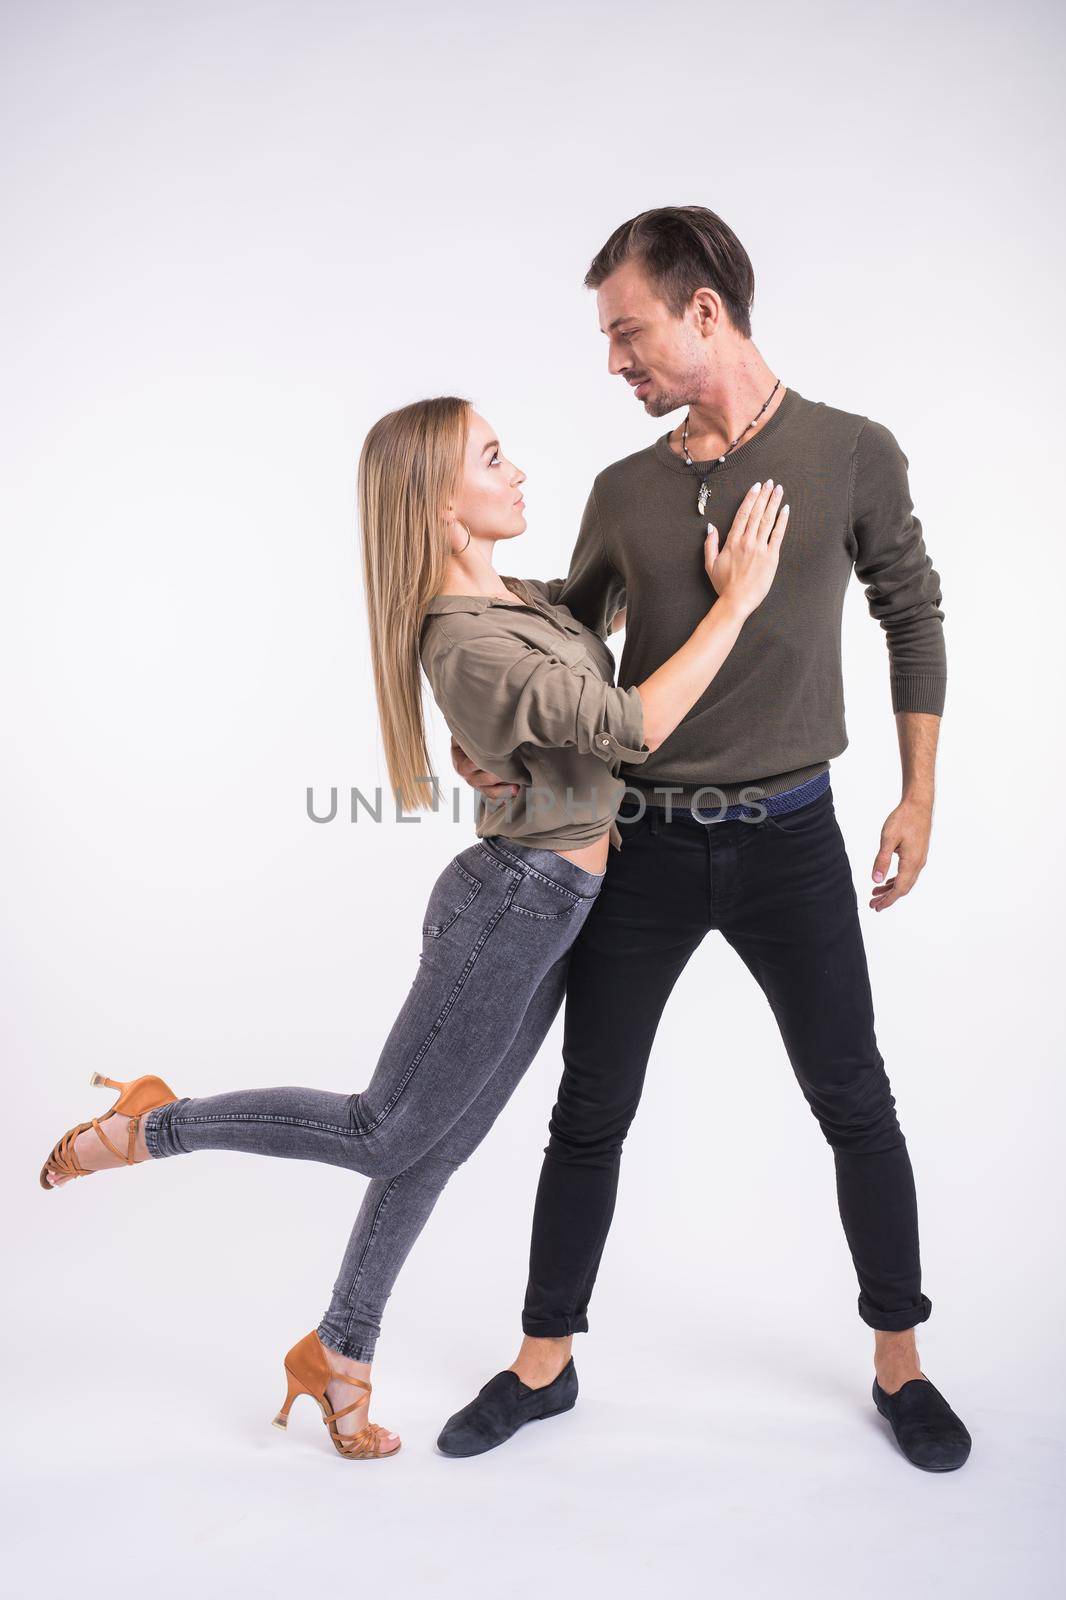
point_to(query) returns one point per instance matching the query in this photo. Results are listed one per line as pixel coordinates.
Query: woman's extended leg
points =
(526, 925)
(494, 927)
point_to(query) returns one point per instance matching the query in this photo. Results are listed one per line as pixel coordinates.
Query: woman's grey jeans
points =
(496, 941)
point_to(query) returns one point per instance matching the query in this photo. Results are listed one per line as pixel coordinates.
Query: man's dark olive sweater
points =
(774, 714)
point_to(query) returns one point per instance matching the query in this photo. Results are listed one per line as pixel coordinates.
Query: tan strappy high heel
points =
(308, 1371)
(136, 1098)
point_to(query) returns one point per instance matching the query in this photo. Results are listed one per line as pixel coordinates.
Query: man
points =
(674, 288)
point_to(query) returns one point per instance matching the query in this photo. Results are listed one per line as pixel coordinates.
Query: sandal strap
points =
(331, 1416)
(365, 1443)
(115, 1151)
(337, 1377)
(64, 1159)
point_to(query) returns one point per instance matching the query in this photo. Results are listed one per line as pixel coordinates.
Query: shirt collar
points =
(440, 603)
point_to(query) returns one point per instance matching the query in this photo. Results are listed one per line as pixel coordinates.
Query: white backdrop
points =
(237, 234)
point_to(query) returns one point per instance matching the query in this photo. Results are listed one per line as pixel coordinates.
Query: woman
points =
(528, 691)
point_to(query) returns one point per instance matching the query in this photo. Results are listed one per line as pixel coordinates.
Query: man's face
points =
(662, 357)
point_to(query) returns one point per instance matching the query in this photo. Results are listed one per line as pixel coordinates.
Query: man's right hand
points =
(489, 784)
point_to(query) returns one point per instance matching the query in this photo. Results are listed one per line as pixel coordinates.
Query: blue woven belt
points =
(775, 804)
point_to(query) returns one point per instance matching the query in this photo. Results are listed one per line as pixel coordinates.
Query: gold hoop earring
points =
(463, 525)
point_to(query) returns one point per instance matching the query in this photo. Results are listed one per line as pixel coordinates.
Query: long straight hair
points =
(410, 466)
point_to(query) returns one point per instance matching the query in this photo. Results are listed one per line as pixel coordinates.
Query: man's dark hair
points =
(682, 249)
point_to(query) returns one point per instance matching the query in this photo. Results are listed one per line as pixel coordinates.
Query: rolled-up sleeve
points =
(499, 693)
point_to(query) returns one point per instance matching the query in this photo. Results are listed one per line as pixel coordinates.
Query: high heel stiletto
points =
(308, 1371)
(135, 1100)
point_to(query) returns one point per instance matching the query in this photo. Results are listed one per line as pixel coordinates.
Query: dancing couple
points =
(617, 823)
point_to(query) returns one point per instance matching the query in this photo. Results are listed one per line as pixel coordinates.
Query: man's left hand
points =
(906, 835)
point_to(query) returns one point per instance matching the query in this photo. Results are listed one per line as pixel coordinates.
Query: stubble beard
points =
(685, 393)
(661, 405)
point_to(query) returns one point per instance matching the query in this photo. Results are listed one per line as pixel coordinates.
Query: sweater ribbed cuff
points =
(919, 694)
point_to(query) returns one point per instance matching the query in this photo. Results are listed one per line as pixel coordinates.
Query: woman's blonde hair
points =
(410, 466)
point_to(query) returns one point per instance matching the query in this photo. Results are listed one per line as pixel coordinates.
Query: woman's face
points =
(489, 501)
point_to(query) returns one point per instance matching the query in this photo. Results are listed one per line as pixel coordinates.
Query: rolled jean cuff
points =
(895, 1321)
(356, 1348)
(554, 1327)
(159, 1134)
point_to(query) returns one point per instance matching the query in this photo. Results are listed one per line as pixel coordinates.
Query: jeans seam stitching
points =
(357, 1276)
(445, 1010)
(262, 1116)
(508, 872)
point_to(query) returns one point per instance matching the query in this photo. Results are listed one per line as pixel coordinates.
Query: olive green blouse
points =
(528, 692)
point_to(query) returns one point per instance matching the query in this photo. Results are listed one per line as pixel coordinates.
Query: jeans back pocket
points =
(453, 892)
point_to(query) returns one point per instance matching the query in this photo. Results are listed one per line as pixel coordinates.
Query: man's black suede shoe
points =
(503, 1406)
(928, 1432)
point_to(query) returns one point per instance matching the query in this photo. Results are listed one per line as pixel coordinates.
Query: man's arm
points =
(904, 594)
(551, 589)
(907, 829)
(592, 590)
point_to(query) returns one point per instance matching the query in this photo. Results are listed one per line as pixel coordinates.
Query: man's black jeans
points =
(780, 891)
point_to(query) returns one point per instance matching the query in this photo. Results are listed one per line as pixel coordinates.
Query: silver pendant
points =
(701, 499)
